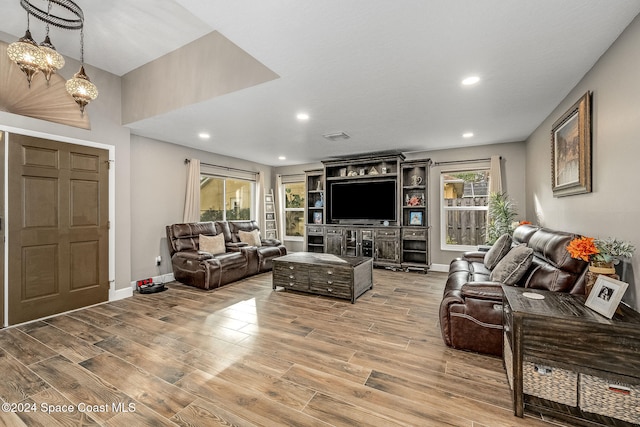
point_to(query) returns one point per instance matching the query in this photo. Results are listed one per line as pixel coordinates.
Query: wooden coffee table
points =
(324, 274)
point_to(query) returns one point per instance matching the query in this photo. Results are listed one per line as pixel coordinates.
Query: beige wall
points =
(613, 207)
(158, 187)
(513, 182)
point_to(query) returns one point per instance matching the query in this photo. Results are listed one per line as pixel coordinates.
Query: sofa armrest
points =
(193, 255)
(235, 247)
(482, 290)
(271, 242)
(474, 256)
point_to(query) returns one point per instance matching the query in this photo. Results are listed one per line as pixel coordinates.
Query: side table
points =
(565, 360)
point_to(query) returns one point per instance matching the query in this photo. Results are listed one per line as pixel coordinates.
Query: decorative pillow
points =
(499, 249)
(513, 265)
(252, 238)
(212, 244)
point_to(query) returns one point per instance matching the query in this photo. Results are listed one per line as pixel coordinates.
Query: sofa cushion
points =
(497, 251)
(252, 238)
(513, 265)
(212, 244)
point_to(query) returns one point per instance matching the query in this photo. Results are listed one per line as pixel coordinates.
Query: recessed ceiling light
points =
(303, 116)
(471, 80)
(467, 134)
(204, 135)
(282, 158)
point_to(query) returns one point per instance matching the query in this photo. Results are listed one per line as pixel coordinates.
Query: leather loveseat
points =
(236, 260)
(471, 307)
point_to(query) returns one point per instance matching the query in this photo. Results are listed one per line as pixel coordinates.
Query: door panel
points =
(58, 236)
(2, 226)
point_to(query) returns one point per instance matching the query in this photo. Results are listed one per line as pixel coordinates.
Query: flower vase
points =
(596, 268)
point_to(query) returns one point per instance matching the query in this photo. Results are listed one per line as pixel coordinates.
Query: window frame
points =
(444, 246)
(296, 179)
(252, 184)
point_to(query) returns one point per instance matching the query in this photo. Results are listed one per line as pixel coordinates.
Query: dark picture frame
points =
(571, 150)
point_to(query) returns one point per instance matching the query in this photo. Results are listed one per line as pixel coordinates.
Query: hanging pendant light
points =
(80, 87)
(32, 58)
(53, 61)
(26, 54)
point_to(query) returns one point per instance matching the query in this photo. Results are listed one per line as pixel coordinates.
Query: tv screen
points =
(363, 201)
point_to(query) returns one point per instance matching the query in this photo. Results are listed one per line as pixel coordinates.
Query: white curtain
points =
(192, 199)
(495, 172)
(260, 193)
(279, 207)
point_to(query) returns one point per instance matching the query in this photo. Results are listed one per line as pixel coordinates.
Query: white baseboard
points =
(442, 268)
(116, 294)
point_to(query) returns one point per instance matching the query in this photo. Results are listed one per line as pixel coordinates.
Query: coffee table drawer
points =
(330, 280)
(291, 275)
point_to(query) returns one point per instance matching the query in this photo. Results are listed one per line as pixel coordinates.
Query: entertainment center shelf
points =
(373, 206)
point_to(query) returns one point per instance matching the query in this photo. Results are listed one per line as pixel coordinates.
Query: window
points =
(225, 198)
(294, 194)
(465, 199)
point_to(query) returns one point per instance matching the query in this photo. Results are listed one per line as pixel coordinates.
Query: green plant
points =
(502, 214)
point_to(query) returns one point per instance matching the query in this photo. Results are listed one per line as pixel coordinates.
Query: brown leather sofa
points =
(269, 249)
(194, 267)
(471, 307)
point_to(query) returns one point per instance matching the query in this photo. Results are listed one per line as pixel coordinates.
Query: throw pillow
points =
(252, 238)
(212, 244)
(513, 265)
(499, 249)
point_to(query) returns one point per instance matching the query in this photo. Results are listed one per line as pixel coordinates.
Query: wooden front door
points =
(58, 227)
(2, 226)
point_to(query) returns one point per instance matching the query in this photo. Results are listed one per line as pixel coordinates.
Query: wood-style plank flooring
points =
(245, 355)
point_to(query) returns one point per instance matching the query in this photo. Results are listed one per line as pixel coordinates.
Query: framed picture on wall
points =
(571, 150)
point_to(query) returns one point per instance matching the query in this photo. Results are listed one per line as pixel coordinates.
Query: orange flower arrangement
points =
(583, 248)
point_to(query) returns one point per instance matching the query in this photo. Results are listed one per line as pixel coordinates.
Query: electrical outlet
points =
(158, 260)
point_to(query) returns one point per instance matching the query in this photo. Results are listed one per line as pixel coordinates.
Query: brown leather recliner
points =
(471, 307)
(269, 249)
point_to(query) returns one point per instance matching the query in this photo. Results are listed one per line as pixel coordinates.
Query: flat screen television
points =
(362, 202)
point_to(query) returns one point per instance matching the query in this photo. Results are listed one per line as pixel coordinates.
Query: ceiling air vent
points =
(336, 136)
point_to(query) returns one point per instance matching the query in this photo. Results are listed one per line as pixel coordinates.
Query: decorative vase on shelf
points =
(596, 268)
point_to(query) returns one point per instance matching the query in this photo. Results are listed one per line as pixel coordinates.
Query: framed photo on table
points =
(606, 295)
(571, 150)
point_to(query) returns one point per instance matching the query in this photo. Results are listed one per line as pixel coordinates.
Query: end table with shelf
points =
(556, 349)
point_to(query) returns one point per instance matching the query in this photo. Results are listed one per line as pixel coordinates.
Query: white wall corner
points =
(116, 294)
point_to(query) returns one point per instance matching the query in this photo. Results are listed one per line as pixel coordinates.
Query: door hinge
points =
(108, 225)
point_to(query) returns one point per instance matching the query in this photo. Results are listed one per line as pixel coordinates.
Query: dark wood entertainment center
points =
(390, 224)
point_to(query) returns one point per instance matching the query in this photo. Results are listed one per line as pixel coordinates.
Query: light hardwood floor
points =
(248, 356)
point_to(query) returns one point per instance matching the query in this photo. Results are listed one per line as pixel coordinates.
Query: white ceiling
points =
(386, 72)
